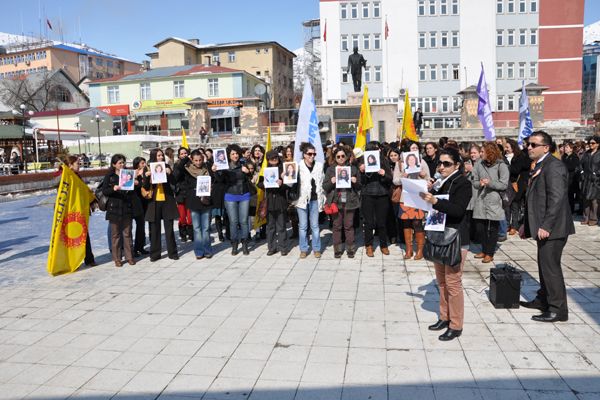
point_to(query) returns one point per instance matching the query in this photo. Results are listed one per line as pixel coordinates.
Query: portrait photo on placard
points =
(220, 157)
(290, 170)
(436, 220)
(158, 172)
(372, 161)
(342, 177)
(412, 162)
(126, 179)
(203, 185)
(271, 176)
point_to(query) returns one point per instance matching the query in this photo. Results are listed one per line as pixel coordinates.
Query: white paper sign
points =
(436, 220)
(372, 161)
(290, 170)
(220, 159)
(342, 178)
(203, 185)
(158, 172)
(271, 175)
(410, 193)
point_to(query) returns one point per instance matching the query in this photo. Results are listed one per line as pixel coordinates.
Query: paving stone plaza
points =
(281, 328)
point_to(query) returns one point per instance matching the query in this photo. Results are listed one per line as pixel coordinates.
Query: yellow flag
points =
(69, 225)
(408, 125)
(260, 194)
(365, 122)
(184, 142)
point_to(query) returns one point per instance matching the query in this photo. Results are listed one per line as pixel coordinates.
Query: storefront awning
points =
(157, 113)
(52, 134)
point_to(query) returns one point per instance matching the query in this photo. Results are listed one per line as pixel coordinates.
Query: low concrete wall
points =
(13, 184)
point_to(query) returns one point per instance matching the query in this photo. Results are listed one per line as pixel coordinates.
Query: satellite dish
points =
(260, 89)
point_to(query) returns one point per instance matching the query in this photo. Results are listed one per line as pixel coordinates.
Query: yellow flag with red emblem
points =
(69, 225)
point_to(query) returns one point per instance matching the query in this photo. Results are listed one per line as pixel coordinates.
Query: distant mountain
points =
(591, 33)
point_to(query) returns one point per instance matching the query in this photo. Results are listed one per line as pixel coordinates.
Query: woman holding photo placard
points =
(347, 200)
(186, 173)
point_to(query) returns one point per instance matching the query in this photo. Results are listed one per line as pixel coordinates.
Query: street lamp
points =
(97, 119)
(24, 151)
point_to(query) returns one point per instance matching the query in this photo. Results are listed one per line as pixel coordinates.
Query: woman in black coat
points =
(161, 207)
(277, 206)
(573, 165)
(518, 167)
(590, 188)
(449, 278)
(140, 167)
(121, 208)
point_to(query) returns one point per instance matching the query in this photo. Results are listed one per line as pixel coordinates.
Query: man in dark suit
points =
(548, 220)
(418, 121)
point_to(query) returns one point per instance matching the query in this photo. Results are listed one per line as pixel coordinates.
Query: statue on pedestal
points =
(356, 62)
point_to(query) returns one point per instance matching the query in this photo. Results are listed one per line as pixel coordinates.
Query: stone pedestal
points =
(354, 98)
(198, 115)
(249, 117)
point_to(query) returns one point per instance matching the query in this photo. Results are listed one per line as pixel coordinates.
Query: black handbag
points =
(293, 193)
(443, 247)
(101, 198)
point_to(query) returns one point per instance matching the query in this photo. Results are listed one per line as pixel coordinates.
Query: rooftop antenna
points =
(79, 26)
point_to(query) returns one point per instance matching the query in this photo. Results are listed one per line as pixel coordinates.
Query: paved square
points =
(276, 327)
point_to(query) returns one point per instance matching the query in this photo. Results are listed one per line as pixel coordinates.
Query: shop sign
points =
(119, 110)
(167, 104)
(224, 102)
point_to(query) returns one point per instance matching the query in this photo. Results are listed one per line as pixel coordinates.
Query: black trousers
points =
(140, 233)
(276, 231)
(514, 212)
(488, 232)
(89, 256)
(552, 283)
(155, 234)
(374, 211)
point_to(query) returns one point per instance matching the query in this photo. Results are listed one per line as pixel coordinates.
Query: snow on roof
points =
(591, 33)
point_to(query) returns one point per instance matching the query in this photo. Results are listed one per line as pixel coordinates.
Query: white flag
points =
(308, 125)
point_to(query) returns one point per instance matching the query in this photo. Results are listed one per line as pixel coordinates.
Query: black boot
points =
(234, 247)
(190, 233)
(182, 235)
(219, 226)
(245, 250)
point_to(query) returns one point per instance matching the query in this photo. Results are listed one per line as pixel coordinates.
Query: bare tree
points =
(36, 91)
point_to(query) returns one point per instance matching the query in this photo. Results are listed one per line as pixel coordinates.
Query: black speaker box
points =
(505, 286)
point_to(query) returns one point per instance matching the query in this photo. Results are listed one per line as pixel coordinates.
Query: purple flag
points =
(484, 110)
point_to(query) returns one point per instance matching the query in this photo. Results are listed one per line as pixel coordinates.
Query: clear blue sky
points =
(129, 28)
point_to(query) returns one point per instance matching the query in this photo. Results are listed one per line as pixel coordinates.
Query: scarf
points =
(195, 171)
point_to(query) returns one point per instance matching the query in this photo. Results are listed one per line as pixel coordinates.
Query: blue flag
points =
(308, 125)
(525, 122)
(484, 110)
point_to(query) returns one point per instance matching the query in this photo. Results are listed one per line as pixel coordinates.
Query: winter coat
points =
(432, 162)
(334, 195)
(304, 180)
(573, 165)
(169, 210)
(121, 204)
(590, 164)
(488, 203)
(276, 197)
(518, 168)
(179, 195)
(236, 181)
(374, 184)
(457, 188)
(187, 188)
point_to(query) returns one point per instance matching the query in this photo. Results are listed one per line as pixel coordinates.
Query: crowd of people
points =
(484, 188)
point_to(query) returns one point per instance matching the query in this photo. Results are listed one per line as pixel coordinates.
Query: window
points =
(421, 7)
(145, 93)
(99, 62)
(533, 37)
(510, 37)
(367, 74)
(445, 105)
(231, 56)
(455, 72)
(213, 87)
(455, 39)
(444, 39)
(433, 72)
(522, 37)
(510, 6)
(365, 10)
(376, 9)
(422, 40)
(344, 75)
(344, 42)
(456, 103)
(354, 10)
(510, 70)
(431, 7)
(381, 130)
(343, 11)
(510, 104)
(500, 103)
(354, 41)
(444, 72)
(533, 6)
(499, 6)
(113, 94)
(522, 6)
(366, 42)
(443, 7)
(432, 40)
(454, 7)
(60, 94)
(421, 72)
(178, 89)
(499, 71)
(521, 70)
(376, 41)
(377, 74)
(215, 58)
(499, 37)
(533, 70)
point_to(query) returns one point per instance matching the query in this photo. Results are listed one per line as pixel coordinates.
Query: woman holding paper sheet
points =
(187, 171)
(449, 278)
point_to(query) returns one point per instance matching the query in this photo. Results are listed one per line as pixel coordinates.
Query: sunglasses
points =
(311, 154)
(340, 156)
(593, 143)
(445, 164)
(534, 145)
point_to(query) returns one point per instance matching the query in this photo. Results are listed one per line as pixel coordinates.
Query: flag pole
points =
(387, 55)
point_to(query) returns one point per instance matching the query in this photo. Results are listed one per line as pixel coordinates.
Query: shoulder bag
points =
(101, 198)
(443, 247)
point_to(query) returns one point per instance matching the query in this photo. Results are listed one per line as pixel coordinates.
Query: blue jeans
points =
(503, 228)
(238, 214)
(309, 214)
(201, 224)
